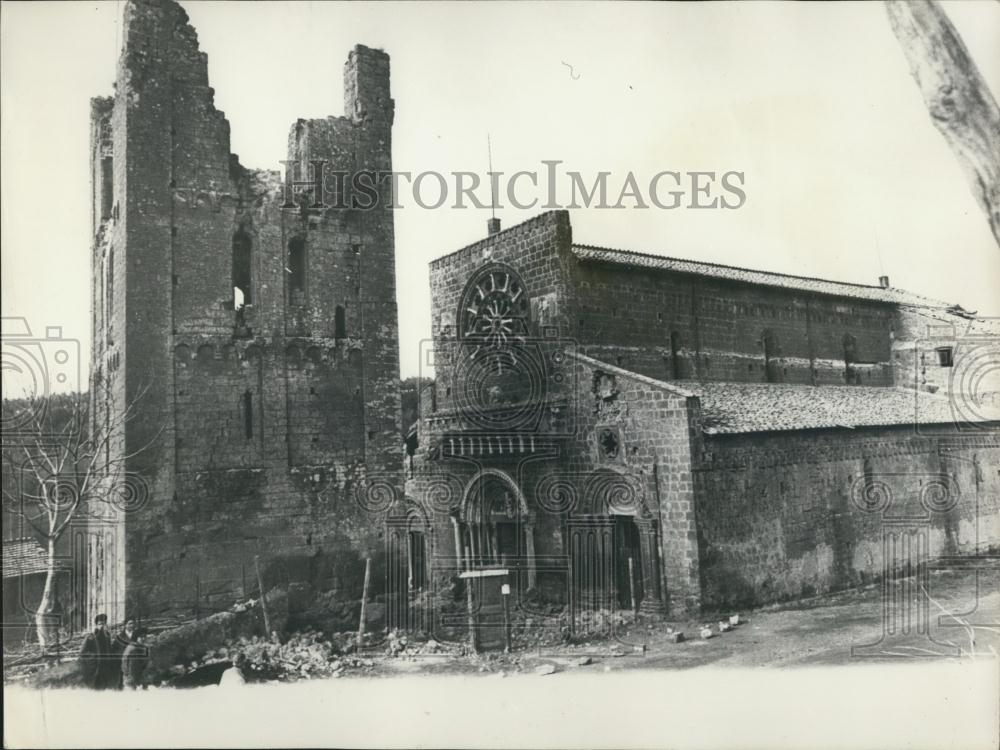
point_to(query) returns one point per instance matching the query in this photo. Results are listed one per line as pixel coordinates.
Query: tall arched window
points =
(242, 294)
(340, 323)
(297, 268)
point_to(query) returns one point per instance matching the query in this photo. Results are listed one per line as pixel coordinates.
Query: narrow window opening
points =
(109, 295)
(242, 294)
(944, 354)
(340, 323)
(107, 187)
(248, 414)
(297, 269)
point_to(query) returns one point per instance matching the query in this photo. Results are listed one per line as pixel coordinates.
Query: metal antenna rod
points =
(493, 194)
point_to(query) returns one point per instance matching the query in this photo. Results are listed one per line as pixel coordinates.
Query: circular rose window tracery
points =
(495, 308)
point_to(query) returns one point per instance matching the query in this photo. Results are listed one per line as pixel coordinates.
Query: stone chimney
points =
(883, 281)
(492, 226)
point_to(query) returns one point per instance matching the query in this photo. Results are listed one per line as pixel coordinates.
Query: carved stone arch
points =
(206, 353)
(468, 495)
(412, 514)
(611, 492)
(488, 538)
(355, 358)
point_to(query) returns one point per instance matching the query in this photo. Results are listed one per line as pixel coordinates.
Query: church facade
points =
(621, 430)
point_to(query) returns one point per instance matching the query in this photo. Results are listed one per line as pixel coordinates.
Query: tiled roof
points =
(752, 407)
(750, 276)
(728, 408)
(22, 557)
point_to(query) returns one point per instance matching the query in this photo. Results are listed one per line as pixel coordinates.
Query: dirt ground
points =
(916, 691)
(960, 618)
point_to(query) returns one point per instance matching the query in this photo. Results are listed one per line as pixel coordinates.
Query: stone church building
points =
(612, 429)
(619, 429)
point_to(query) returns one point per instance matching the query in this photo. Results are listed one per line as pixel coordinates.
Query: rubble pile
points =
(400, 643)
(304, 655)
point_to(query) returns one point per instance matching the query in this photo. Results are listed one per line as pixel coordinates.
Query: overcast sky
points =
(845, 175)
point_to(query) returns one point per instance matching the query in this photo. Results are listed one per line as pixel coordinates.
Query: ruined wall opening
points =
(297, 270)
(340, 323)
(107, 187)
(109, 293)
(242, 293)
(248, 415)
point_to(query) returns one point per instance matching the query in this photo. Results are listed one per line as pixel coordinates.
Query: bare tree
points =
(958, 99)
(59, 469)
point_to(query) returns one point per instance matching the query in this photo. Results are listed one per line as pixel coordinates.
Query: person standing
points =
(118, 646)
(135, 659)
(95, 655)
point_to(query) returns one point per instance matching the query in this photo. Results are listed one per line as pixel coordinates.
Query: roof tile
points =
(751, 276)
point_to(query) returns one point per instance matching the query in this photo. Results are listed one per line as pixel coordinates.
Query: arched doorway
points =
(494, 527)
(407, 557)
(613, 546)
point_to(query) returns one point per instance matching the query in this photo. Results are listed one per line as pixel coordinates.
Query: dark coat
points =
(118, 645)
(96, 661)
(134, 662)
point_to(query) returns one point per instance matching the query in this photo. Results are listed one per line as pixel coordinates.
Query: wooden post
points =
(459, 552)
(263, 604)
(631, 583)
(473, 622)
(364, 601)
(409, 561)
(505, 596)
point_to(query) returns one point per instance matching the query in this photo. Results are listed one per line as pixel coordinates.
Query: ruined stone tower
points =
(256, 343)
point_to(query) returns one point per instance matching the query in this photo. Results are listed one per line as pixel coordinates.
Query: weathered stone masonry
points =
(742, 436)
(260, 342)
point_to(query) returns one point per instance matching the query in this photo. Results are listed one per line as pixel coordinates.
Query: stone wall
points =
(673, 326)
(784, 515)
(266, 421)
